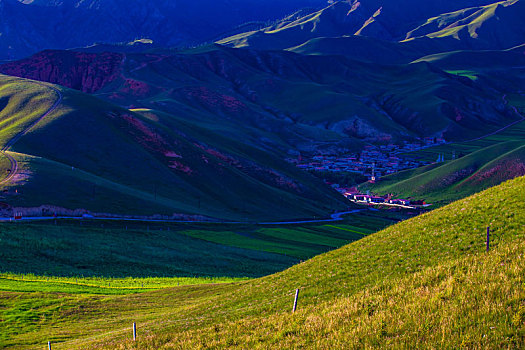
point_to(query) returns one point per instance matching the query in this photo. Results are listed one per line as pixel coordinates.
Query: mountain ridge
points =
(33, 26)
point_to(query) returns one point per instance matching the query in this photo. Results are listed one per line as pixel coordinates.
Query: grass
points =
(99, 285)
(69, 248)
(21, 102)
(425, 282)
(464, 73)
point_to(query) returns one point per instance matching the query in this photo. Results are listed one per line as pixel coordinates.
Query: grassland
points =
(100, 285)
(426, 282)
(70, 248)
(21, 102)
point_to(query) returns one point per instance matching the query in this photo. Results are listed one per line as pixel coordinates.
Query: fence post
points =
(134, 331)
(488, 239)
(49, 345)
(295, 300)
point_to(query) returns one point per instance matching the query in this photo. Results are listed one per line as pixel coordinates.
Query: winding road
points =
(10, 143)
(333, 218)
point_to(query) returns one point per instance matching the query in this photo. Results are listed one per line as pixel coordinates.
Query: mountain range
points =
(32, 25)
(321, 81)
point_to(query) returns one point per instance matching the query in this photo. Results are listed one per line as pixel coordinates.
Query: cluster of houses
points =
(373, 161)
(360, 198)
(353, 195)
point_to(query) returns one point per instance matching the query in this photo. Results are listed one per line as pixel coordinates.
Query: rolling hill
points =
(478, 163)
(284, 101)
(444, 182)
(372, 293)
(91, 155)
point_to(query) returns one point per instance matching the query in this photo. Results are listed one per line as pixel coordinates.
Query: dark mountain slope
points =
(47, 24)
(490, 59)
(287, 101)
(365, 49)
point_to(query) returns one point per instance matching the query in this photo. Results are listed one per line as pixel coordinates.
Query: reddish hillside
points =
(87, 72)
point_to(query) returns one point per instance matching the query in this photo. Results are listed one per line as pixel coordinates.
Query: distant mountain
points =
(495, 26)
(421, 28)
(30, 26)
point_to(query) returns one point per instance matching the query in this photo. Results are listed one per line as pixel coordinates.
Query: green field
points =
(372, 293)
(10, 282)
(121, 249)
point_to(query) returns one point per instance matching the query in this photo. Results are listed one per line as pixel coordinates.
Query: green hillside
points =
(479, 164)
(426, 282)
(494, 26)
(445, 182)
(91, 155)
(207, 132)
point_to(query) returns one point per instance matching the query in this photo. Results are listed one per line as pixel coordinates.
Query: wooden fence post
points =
(488, 239)
(134, 331)
(295, 300)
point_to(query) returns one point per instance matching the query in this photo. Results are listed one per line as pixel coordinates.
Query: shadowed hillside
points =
(92, 155)
(283, 100)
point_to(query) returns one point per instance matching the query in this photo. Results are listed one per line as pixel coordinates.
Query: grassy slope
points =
(486, 162)
(442, 183)
(426, 282)
(128, 163)
(301, 102)
(493, 26)
(21, 102)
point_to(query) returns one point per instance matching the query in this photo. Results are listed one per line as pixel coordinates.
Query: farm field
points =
(371, 292)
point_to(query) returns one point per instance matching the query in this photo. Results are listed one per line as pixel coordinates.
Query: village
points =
(355, 196)
(372, 163)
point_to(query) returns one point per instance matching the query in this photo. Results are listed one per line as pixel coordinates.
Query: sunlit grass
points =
(425, 282)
